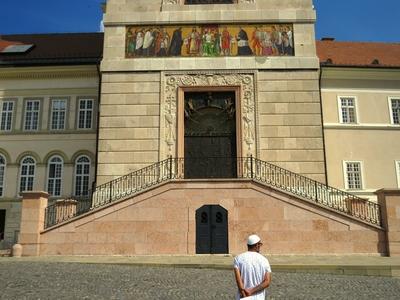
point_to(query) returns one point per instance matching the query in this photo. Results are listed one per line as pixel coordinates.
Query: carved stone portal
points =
(172, 82)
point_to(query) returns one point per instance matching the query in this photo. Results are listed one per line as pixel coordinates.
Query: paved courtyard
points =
(41, 280)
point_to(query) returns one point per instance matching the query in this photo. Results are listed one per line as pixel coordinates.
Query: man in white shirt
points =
(252, 271)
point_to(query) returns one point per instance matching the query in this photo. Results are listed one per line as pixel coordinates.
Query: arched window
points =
(2, 174)
(27, 174)
(82, 174)
(54, 176)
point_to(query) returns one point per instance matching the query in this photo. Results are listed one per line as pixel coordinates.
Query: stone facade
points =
(284, 125)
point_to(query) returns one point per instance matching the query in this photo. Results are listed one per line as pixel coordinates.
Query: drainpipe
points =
(322, 121)
(98, 125)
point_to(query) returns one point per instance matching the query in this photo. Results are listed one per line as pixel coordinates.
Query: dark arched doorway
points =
(210, 135)
(212, 230)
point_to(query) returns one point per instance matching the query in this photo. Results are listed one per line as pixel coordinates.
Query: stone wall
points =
(389, 199)
(162, 221)
(129, 123)
(289, 126)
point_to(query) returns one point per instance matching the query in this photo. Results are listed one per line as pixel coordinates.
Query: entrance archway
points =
(174, 87)
(210, 135)
(212, 230)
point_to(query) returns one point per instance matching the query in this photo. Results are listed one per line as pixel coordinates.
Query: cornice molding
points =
(48, 72)
(360, 73)
(361, 126)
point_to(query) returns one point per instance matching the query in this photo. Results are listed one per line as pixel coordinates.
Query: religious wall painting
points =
(210, 40)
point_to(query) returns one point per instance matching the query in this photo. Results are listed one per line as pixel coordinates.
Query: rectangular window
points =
(353, 175)
(347, 110)
(2, 223)
(7, 109)
(32, 109)
(58, 113)
(85, 113)
(395, 110)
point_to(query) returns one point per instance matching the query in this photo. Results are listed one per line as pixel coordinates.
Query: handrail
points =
(246, 168)
(316, 192)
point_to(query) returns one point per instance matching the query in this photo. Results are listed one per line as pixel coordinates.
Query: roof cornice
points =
(41, 72)
(389, 74)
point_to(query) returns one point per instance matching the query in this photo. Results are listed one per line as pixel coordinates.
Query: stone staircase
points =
(247, 168)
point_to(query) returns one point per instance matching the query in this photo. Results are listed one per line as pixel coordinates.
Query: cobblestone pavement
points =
(39, 280)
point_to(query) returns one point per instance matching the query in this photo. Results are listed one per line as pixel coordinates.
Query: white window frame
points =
(391, 110)
(356, 115)
(76, 175)
(3, 167)
(84, 111)
(397, 165)
(4, 116)
(362, 180)
(33, 112)
(26, 176)
(58, 112)
(57, 179)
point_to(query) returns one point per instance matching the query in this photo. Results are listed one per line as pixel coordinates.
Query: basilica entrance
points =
(210, 135)
(211, 230)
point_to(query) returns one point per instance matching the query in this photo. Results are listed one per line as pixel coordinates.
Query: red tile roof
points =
(88, 47)
(358, 54)
(54, 49)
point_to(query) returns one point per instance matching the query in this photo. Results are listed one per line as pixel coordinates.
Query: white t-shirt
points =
(253, 267)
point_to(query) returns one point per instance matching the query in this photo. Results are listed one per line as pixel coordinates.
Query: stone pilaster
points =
(389, 199)
(32, 221)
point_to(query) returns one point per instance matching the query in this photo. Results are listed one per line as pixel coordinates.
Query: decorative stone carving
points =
(169, 102)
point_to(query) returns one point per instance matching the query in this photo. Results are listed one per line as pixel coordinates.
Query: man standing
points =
(252, 271)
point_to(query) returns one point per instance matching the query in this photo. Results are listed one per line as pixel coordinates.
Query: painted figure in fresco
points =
(162, 43)
(277, 40)
(148, 45)
(194, 42)
(208, 45)
(217, 42)
(266, 44)
(243, 43)
(288, 44)
(139, 43)
(176, 42)
(256, 41)
(131, 41)
(226, 42)
(287, 50)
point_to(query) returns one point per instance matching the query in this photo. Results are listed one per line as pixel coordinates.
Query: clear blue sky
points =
(346, 20)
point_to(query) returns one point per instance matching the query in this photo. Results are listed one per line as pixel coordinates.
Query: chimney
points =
(328, 39)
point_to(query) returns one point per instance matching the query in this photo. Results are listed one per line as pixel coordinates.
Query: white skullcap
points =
(253, 239)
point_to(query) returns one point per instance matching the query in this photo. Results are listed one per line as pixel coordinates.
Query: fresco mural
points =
(210, 40)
